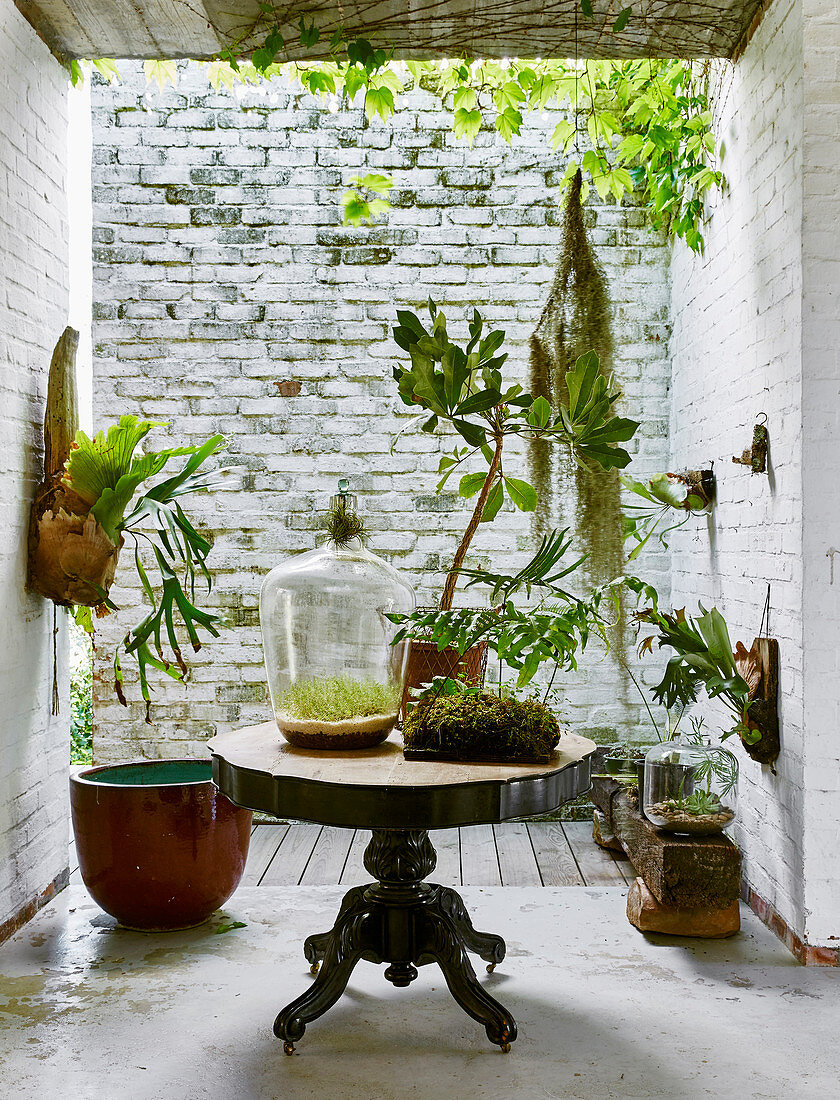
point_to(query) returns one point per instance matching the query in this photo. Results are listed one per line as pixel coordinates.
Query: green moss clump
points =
(482, 724)
(334, 698)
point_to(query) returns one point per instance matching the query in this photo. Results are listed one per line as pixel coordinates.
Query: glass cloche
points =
(334, 677)
(690, 787)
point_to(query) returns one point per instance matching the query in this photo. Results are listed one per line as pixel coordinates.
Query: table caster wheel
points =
(314, 968)
(491, 967)
(503, 1047)
(289, 1048)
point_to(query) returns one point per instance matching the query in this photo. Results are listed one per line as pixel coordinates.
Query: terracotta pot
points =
(425, 662)
(159, 847)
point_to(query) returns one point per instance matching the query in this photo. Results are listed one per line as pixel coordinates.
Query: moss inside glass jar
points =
(335, 679)
(480, 726)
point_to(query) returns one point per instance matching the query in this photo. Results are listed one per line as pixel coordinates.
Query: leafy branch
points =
(463, 387)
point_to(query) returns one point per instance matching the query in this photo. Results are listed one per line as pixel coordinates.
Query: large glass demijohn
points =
(335, 680)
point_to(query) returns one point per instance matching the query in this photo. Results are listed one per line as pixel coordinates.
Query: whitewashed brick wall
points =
(821, 467)
(34, 744)
(755, 329)
(221, 266)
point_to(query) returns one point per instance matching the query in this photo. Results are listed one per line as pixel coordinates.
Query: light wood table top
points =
(379, 788)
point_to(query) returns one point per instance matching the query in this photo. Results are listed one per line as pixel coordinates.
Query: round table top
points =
(379, 788)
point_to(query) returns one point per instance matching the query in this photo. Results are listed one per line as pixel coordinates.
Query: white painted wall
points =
(33, 312)
(755, 330)
(821, 468)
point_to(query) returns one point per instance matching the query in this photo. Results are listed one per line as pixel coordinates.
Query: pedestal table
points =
(397, 919)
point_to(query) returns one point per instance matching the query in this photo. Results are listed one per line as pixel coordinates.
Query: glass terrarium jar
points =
(690, 787)
(334, 677)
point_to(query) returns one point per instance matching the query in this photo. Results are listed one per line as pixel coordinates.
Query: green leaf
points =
(379, 101)
(98, 464)
(539, 415)
(161, 72)
(107, 67)
(586, 8)
(479, 402)
(563, 135)
(471, 484)
(309, 33)
(354, 79)
(465, 98)
(621, 20)
(229, 926)
(467, 123)
(82, 616)
(523, 495)
(493, 503)
(472, 433)
(580, 381)
(508, 122)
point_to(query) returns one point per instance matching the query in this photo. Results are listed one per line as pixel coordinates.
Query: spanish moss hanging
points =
(576, 319)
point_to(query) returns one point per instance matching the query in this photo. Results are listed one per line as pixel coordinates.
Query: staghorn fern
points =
(104, 474)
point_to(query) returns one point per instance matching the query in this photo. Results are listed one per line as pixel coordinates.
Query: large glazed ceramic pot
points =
(159, 847)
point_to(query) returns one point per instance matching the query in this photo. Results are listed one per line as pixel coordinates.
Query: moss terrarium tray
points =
(480, 728)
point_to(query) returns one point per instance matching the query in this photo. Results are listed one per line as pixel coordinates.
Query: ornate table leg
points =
(345, 945)
(486, 945)
(401, 920)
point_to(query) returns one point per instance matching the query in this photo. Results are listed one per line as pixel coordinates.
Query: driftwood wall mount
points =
(756, 456)
(759, 666)
(70, 558)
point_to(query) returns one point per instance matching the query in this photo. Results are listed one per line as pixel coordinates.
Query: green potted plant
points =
(463, 388)
(104, 496)
(452, 720)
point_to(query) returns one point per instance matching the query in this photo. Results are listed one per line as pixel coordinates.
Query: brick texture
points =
(755, 329)
(221, 268)
(33, 309)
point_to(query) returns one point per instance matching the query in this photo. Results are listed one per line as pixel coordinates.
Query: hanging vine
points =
(648, 122)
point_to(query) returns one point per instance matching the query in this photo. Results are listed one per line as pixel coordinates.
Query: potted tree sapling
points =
(464, 388)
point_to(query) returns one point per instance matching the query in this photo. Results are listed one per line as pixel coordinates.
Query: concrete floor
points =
(89, 1011)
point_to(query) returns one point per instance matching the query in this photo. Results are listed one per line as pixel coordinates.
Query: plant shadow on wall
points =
(97, 494)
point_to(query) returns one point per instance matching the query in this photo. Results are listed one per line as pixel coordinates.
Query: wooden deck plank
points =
(265, 840)
(354, 873)
(596, 864)
(447, 845)
(479, 859)
(517, 862)
(328, 857)
(292, 856)
(554, 856)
